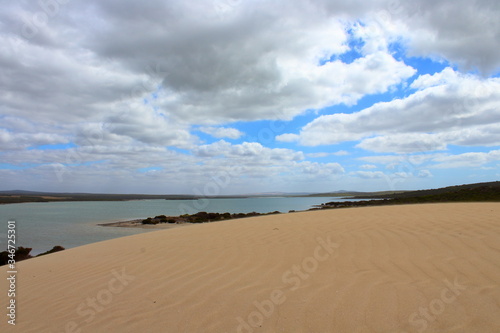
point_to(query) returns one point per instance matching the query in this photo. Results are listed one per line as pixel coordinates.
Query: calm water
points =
(69, 224)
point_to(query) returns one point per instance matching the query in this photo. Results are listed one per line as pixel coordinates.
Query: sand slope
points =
(413, 268)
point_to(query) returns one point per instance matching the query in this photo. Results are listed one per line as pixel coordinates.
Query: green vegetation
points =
(466, 191)
(56, 248)
(23, 253)
(482, 192)
(200, 217)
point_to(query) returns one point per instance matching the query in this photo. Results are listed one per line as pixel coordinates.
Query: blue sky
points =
(246, 97)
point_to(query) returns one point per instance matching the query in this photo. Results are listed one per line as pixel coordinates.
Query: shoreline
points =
(137, 223)
(169, 222)
(183, 221)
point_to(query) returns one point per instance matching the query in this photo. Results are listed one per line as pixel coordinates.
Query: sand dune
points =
(414, 268)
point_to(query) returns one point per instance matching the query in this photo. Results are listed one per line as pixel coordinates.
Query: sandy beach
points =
(411, 268)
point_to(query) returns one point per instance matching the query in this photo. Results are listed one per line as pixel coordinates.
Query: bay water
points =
(69, 224)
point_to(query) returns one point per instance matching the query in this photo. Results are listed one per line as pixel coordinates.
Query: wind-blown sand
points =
(412, 268)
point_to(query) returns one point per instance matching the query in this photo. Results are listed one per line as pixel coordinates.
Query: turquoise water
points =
(44, 225)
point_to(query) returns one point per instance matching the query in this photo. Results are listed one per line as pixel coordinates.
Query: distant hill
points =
(480, 192)
(470, 192)
(354, 194)
(21, 192)
(18, 196)
(467, 190)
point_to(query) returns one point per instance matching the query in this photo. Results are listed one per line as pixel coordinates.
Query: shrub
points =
(22, 253)
(56, 248)
(149, 221)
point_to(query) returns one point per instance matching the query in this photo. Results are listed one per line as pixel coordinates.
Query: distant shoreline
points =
(168, 222)
(137, 223)
(485, 192)
(10, 197)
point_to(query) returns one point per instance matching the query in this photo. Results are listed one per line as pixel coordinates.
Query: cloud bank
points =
(106, 90)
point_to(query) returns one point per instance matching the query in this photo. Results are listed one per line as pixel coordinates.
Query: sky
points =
(221, 97)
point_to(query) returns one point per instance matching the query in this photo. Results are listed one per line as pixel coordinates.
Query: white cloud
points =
(262, 65)
(427, 120)
(15, 141)
(424, 174)
(368, 166)
(481, 135)
(124, 81)
(222, 132)
(320, 169)
(237, 165)
(422, 162)
(316, 155)
(463, 32)
(147, 126)
(247, 152)
(337, 153)
(446, 76)
(467, 160)
(369, 174)
(403, 143)
(287, 137)
(341, 153)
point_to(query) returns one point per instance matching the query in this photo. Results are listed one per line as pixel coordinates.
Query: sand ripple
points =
(413, 268)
